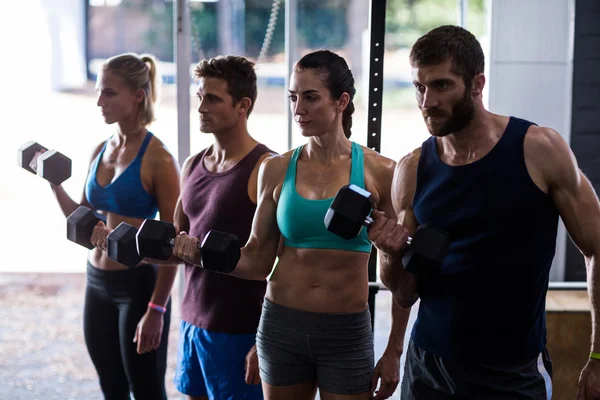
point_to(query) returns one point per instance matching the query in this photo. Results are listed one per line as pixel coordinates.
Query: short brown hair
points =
(237, 71)
(449, 42)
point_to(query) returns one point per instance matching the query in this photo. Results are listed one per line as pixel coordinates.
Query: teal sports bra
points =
(301, 221)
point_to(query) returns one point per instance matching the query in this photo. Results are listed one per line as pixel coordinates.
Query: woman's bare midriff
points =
(99, 258)
(320, 280)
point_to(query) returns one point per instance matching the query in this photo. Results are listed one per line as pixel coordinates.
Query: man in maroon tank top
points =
(220, 314)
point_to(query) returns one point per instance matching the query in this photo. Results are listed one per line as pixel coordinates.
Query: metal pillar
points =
(463, 9)
(231, 26)
(377, 30)
(183, 60)
(291, 15)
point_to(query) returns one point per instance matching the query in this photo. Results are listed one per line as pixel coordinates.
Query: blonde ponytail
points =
(151, 63)
(138, 72)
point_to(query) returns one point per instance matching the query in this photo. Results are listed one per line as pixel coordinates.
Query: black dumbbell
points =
(220, 250)
(51, 165)
(121, 245)
(80, 225)
(349, 212)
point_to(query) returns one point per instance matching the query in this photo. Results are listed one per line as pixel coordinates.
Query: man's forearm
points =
(400, 282)
(172, 261)
(594, 293)
(399, 322)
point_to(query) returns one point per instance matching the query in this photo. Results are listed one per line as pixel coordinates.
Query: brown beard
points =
(461, 115)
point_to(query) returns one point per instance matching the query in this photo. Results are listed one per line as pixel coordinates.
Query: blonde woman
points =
(132, 176)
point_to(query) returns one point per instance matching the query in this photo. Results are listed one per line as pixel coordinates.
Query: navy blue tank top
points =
(125, 195)
(488, 303)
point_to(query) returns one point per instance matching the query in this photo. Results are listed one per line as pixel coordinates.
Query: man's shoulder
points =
(544, 144)
(264, 152)
(265, 149)
(404, 184)
(543, 136)
(191, 162)
(409, 162)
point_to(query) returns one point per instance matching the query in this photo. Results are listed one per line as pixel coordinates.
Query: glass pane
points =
(241, 28)
(403, 128)
(478, 23)
(324, 24)
(139, 26)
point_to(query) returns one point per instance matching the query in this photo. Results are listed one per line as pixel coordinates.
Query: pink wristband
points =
(156, 307)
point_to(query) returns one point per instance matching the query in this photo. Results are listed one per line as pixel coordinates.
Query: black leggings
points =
(115, 301)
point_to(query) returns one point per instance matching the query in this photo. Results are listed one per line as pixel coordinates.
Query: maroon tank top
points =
(220, 201)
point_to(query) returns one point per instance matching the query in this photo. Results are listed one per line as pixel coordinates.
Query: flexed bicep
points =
(260, 251)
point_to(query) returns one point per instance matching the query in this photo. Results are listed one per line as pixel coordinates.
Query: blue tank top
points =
(125, 195)
(488, 303)
(301, 221)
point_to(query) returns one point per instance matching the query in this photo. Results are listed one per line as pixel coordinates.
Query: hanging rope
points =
(266, 45)
(264, 50)
(196, 43)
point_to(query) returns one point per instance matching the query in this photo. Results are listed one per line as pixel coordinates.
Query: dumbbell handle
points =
(369, 221)
(172, 244)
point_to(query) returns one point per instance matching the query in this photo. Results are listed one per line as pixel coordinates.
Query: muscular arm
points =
(549, 157)
(180, 219)
(66, 203)
(400, 315)
(166, 188)
(381, 173)
(258, 255)
(401, 283)
(399, 322)
(383, 178)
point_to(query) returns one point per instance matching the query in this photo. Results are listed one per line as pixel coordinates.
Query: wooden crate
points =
(568, 321)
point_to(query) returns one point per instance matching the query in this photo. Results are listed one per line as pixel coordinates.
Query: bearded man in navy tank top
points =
(497, 186)
(220, 314)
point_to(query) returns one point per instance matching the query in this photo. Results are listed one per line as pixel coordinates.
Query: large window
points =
(403, 128)
(254, 29)
(242, 27)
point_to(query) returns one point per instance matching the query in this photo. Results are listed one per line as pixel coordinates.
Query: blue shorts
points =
(214, 364)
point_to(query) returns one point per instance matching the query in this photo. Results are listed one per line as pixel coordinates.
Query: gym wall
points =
(530, 72)
(585, 121)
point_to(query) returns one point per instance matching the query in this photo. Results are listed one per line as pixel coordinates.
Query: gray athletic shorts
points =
(335, 350)
(429, 377)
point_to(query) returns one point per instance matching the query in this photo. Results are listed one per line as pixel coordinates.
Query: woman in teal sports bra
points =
(315, 330)
(131, 176)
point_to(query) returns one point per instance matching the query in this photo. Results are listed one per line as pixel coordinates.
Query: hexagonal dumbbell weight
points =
(220, 251)
(121, 245)
(26, 154)
(349, 212)
(80, 225)
(51, 165)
